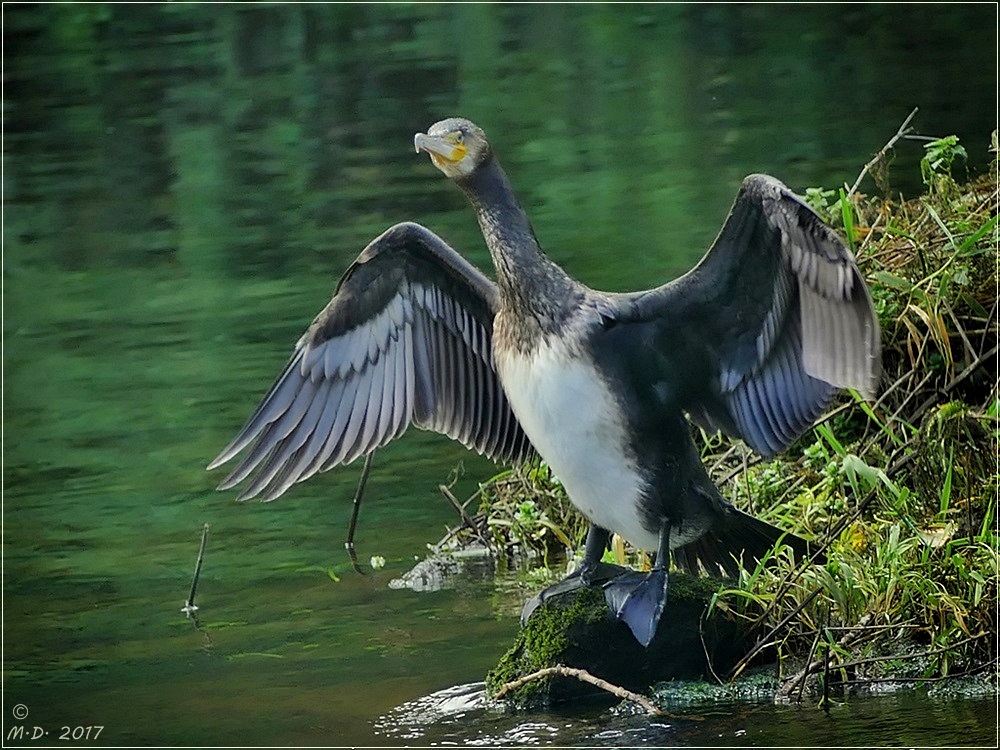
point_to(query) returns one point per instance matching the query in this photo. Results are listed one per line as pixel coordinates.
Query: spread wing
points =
(775, 318)
(405, 339)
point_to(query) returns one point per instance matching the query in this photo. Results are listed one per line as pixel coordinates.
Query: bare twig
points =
(953, 383)
(704, 646)
(747, 463)
(721, 459)
(802, 682)
(897, 415)
(884, 396)
(189, 607)
(884, 626)
(870, 234)
(970, 350)
(584, 676)
(918, 655)
(903, 131)
(466, 518)
(766, 640)
(799, 678)
(825, 702)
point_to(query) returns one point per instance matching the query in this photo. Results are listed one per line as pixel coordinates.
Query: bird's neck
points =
(531, 285)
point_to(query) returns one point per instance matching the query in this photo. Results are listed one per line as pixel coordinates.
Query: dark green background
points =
(183, 185)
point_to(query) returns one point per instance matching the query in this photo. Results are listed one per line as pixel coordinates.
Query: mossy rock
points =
(576, 629)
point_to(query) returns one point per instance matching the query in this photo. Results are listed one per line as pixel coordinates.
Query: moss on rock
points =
(577, 630)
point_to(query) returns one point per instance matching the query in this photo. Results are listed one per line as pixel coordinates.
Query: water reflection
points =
(184, 183)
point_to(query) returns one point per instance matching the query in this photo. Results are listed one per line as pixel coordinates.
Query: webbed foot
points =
(638, 599)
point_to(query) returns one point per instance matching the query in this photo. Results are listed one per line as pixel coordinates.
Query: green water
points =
(183, 185)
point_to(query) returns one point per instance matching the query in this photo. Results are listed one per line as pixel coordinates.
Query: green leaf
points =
(891, 280)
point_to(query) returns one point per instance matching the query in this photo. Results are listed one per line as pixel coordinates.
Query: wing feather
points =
(405, 340)
(373, 410)
(773, 320)
(388, 395)
(323, 461)
(312, 451)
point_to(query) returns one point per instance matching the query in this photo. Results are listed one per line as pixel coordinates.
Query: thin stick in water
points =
(189, 607)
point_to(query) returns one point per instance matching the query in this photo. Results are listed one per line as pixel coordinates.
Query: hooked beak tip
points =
(420, 142)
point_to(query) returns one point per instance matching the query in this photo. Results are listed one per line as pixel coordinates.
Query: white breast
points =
(574, 422)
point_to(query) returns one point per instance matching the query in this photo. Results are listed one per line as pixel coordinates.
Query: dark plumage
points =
(755, 341)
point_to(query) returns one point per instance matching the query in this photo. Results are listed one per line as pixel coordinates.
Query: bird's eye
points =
(459, 136)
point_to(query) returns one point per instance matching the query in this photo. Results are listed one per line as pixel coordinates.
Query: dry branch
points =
(584, 676)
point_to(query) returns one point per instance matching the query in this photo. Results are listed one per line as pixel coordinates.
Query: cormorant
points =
(754, 341)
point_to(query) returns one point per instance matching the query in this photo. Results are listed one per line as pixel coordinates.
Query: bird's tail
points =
(737, 536)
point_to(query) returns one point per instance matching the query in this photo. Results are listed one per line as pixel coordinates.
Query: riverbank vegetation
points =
(900, 494)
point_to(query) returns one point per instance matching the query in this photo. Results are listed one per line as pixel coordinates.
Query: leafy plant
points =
(939, 158)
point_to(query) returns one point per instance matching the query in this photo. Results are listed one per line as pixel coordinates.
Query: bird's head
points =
(457, 147)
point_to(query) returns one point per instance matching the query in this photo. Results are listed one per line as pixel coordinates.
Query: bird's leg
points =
(591, 571)
(638, 598)
(359, 493)
(663, 548)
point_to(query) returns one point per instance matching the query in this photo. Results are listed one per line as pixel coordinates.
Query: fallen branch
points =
(584, 676)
